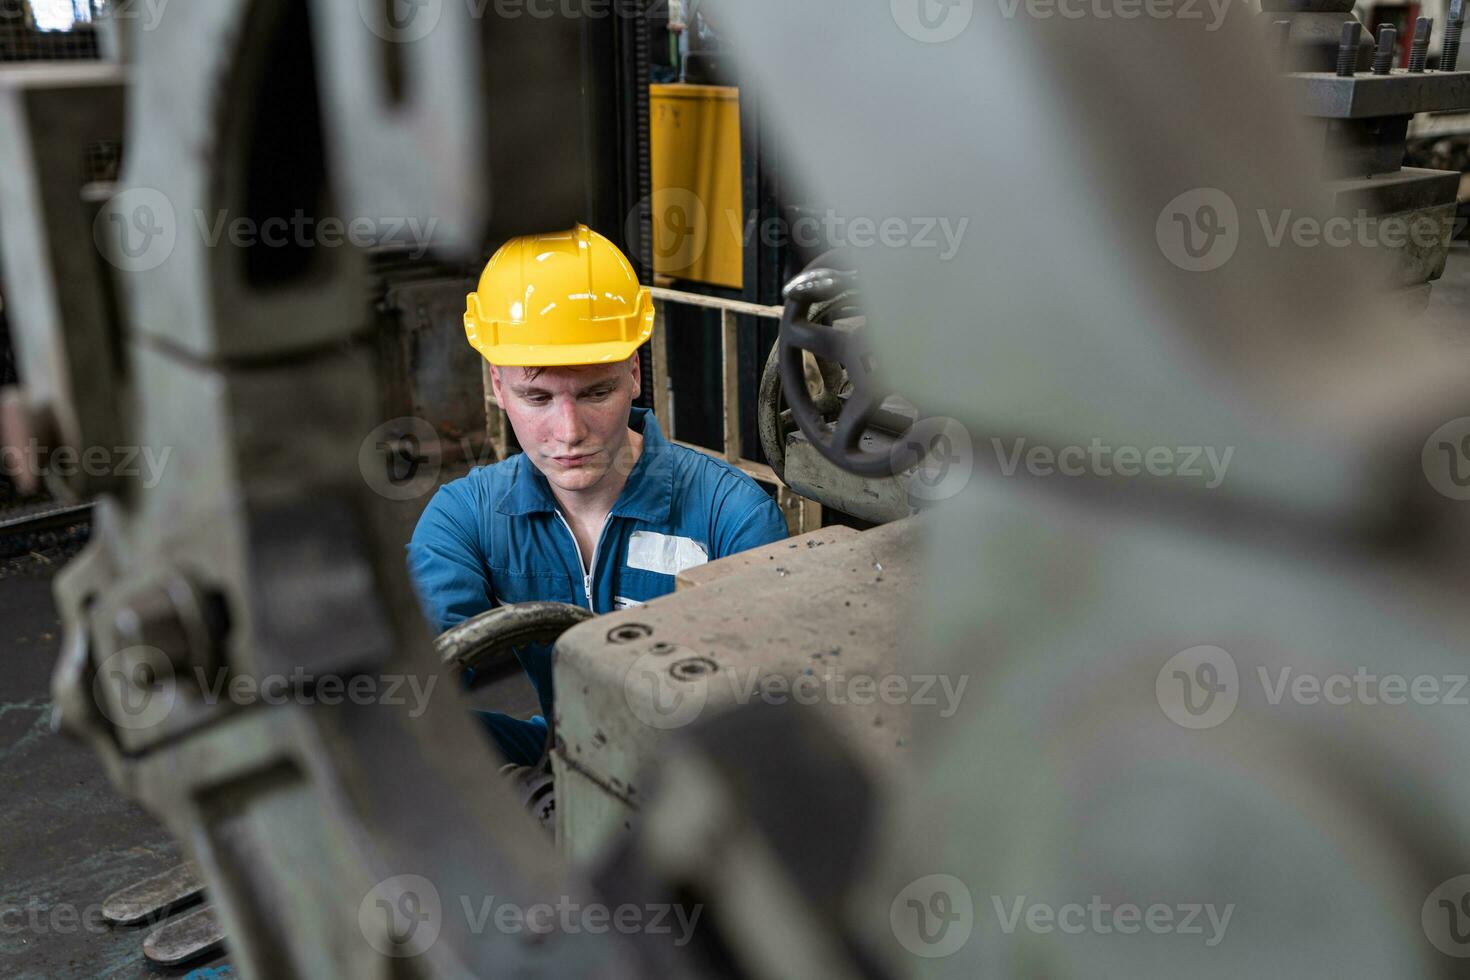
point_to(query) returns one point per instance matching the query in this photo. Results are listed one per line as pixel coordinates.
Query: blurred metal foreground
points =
(1336, 830)
(1328, 829)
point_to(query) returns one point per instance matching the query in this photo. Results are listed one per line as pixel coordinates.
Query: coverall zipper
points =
(586, 575)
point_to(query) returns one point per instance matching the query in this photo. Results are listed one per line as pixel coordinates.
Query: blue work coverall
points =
(497, 536)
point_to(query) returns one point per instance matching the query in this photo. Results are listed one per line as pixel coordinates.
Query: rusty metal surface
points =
(804, 628)
(777, 551)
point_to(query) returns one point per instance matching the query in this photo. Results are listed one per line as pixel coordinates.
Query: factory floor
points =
(67, 839)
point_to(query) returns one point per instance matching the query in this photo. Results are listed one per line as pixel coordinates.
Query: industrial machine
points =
(1111, 719)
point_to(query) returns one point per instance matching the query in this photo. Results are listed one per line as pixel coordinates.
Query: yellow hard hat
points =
(564, 298)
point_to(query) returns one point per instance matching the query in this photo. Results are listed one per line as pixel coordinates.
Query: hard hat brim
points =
(561, 355)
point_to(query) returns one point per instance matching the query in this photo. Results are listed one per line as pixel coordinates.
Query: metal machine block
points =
(811, 475)
(199, 179)
(821, 629)
(1363, 96)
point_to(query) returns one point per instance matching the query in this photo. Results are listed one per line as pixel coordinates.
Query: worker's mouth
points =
(572, 462)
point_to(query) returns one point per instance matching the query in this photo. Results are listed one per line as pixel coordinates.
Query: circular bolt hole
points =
(628, 632)
(661, 648)
(692, 667)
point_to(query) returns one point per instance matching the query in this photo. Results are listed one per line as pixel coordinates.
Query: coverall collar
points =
(647, 495)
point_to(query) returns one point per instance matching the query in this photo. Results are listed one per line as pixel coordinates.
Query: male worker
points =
(599, 509)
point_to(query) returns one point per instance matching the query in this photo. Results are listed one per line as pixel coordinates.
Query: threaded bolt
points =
(1347, 51)
(1383, 54)
(1452, 28)
(1420, 48)
(1283, 35)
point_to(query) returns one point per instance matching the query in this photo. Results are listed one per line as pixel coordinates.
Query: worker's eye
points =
(537, 399)
(599, 393)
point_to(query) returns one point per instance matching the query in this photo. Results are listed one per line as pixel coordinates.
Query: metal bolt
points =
(176, 617)
(1347, 51)
(1452, 28)
(1383, 54)
(1420, 48)
(1283, 35)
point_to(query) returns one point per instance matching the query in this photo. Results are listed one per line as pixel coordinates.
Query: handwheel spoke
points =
(853, 420)
(824, 342)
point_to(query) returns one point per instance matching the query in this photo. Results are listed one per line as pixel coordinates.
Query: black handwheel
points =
(480, 640)
(845, 345)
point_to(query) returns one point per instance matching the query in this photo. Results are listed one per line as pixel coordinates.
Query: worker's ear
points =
(495, 384)
(637, 375)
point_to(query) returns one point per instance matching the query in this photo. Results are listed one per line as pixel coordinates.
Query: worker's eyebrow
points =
(526, 391)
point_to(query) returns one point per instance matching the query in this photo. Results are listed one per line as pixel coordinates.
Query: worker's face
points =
(572, 422)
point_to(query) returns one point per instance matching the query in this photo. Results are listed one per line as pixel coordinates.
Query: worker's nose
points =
(568, 428)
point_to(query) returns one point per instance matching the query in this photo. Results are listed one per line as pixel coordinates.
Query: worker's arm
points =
(446, 561)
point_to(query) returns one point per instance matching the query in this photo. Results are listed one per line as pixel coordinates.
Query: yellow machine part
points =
(698, 218)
